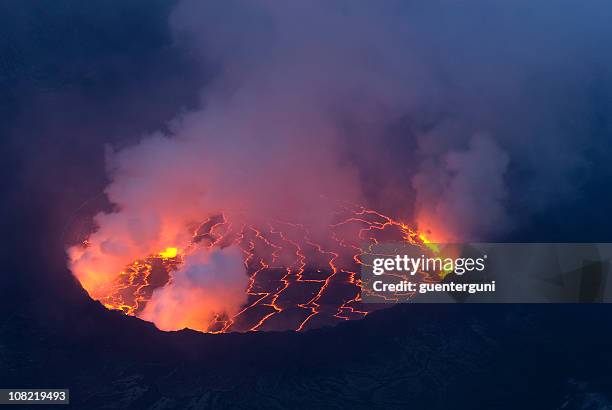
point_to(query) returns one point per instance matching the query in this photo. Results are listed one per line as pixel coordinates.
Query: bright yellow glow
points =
(432, 246)
(169, 253)
(435, 249)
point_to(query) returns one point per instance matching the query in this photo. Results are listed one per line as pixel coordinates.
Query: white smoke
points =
(301, 86)
(209, 283)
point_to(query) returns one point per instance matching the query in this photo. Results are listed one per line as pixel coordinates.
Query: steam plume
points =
(306, 90)
(207, 283)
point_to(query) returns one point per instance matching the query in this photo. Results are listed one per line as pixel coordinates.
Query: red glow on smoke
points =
(297, 279)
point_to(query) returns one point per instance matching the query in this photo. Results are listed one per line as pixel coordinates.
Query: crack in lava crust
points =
(296, 281)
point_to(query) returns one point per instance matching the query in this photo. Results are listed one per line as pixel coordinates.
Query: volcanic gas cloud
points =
(247, 213)
(263, 157)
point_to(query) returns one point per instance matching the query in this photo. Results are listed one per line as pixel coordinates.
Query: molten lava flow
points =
(298, 279)
(169, 253)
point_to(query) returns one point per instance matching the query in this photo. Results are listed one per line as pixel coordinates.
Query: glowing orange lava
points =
(297, 279)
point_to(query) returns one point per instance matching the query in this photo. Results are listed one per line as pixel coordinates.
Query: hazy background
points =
(495, 116)
(413, 81)
(480, 120)
(488, 117)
